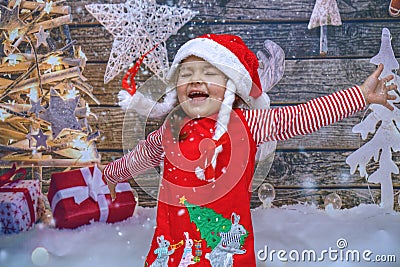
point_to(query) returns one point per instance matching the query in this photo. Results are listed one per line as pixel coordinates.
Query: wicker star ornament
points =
(137, 27)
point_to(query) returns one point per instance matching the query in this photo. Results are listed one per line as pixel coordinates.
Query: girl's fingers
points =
(378, 71)
(391, 87)
(390, 107)
(388, 78)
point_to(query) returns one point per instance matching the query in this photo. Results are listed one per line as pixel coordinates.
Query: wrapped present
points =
(19, 201)
(82, 196)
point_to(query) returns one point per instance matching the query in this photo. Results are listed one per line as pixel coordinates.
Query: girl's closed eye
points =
(185, 74)
(210, 73)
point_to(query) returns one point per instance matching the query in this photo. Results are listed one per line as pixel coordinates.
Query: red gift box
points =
(82, 196)
(19, 201)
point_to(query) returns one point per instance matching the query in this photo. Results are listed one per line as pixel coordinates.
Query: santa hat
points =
(226, 52)
(230, 55)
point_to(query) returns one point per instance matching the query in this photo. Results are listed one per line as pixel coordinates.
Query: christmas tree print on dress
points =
(225, 237)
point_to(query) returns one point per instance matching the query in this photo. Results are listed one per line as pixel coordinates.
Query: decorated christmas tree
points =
(43, 119)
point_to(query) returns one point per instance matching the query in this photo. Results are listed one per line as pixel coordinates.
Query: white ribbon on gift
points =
(95, 188)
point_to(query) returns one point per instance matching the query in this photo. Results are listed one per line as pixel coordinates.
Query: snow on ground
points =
(289, 236)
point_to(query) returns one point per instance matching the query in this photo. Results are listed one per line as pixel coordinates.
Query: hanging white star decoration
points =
(137, 27)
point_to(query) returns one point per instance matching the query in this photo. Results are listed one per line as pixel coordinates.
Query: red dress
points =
(228, 196)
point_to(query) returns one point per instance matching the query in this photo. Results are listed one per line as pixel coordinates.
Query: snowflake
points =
(48, 7)
(72, 93)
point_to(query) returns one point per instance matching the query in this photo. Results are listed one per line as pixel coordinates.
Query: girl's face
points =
(200, 87)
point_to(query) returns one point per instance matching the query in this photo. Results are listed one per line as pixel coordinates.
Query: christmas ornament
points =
(332, 201)
(61, 114)
(325, 13)
(36, 107)
(266, 193)
(386, 138)
(40, 138)
(9, 19)
(138, 26)
(41, 37)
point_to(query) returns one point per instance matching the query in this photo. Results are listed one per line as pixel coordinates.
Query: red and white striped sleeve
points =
(148, 153)
(286, 122)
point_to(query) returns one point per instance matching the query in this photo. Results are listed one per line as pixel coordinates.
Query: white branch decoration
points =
(387, 137)
(137, 27)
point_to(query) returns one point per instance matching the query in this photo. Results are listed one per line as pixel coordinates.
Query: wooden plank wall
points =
(307, 168)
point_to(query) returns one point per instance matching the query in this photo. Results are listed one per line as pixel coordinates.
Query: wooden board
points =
(277, 10)
(357, 39)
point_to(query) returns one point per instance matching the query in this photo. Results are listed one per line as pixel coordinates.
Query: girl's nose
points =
(196, 78)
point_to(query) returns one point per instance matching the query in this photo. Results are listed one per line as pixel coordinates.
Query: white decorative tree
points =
(325, 12)
(387, 137)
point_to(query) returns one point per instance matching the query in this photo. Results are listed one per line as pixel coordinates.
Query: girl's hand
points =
(113, 193)
(375, 91)
(111, 186)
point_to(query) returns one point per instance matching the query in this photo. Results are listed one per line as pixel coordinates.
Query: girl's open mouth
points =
(198, 95)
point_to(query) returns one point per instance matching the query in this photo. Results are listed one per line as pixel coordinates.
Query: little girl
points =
(209, 152)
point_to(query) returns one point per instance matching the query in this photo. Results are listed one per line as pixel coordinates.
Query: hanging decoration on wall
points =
(138, 26)
(325, 12)
(42, 116)
(386, 138)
